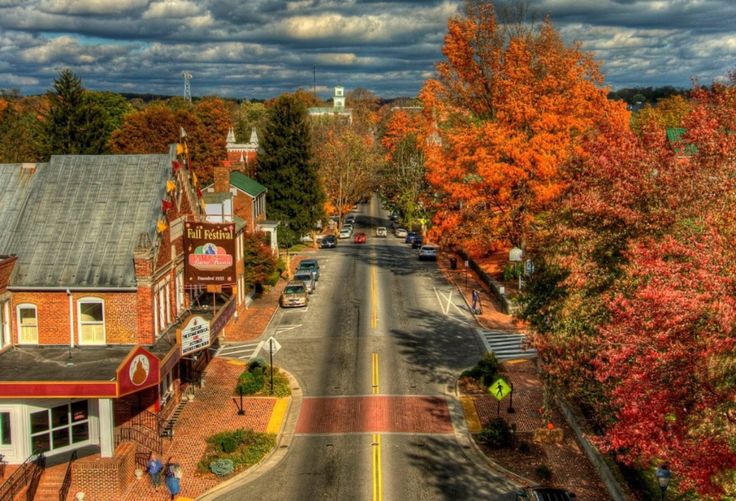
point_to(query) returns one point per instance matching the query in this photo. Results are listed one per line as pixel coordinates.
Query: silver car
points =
(428, 252)
(307, 277)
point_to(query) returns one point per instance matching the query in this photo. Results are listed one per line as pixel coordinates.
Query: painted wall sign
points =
(195, 335)
(139, 370)
(210, 250)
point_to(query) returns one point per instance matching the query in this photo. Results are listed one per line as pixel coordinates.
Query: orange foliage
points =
(507, 111)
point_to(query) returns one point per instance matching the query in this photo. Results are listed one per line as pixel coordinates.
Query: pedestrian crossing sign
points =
(499, 389)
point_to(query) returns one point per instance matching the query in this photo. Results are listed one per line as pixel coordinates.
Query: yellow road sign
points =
(499, 389)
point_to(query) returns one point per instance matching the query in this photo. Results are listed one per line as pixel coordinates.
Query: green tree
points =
(259, 262)
(286, 168)
(113, 107)
(76, 124)
(248, 115)
(22, 134)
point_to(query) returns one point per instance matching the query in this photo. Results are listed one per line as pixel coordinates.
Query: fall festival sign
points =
(210, 251)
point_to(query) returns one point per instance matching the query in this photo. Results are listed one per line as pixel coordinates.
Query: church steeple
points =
(230, 136)
(253, 137)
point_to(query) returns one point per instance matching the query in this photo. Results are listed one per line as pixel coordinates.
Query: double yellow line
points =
(376, 444)
(377, 480)
(374, 372)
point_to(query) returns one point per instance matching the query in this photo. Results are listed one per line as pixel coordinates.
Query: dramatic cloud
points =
(261, 48)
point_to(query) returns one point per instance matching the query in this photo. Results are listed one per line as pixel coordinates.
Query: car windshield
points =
(294, 289)
(303, 276)
(308, 264)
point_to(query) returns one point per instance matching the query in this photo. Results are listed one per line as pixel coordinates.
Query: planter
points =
(138, 473)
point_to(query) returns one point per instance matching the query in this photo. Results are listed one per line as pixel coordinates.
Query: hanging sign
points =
(195, 335)
(210, 251)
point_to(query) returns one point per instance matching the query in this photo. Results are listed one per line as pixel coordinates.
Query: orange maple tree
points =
(508, 107)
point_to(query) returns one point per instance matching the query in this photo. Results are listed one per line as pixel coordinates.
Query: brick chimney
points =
(222, 177)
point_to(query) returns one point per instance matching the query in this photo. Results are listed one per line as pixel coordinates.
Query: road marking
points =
(377, 477)
(277, 416)
(374, 298)
(374, 372)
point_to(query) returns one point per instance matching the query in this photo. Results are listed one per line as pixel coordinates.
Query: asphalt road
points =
(381, 327)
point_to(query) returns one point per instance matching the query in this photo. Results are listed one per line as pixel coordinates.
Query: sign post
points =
(499, 389)
(273, 348)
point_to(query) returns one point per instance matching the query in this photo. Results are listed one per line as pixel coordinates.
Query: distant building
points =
(242, 155)
(338, 109)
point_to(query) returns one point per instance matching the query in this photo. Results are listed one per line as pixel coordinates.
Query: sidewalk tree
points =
(509, 106)
(287, 169)
(75, 123)
(259, 261)
(402, 179)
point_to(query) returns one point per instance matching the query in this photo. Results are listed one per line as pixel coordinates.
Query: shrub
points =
(227, 445)
(250, 383)
(257, 362)
(222, 467)
(524, 447)
(486, 370)
(543, 472)
(281, 386)
(497, 434)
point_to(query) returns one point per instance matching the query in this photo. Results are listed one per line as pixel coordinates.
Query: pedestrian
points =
(476, 301)
(173, 479)
(154, 470)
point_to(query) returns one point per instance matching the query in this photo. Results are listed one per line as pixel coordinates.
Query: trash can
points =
(453, 263)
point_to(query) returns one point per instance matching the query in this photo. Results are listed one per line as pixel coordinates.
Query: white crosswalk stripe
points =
(241, 351)
(506, 345)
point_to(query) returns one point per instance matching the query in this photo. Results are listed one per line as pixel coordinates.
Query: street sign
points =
(272, 346)
(499, 389)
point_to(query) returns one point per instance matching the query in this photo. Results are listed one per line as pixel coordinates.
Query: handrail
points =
(139, 437)
(24, 475)
(147, 419)
(67, 483)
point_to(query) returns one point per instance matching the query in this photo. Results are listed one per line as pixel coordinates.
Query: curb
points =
(277, 454)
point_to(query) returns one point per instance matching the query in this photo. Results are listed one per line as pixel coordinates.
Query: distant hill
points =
(643, 95)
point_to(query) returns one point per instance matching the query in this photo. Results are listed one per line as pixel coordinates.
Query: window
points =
(179, 291)
(5, 438)
(28, 322)
(91, 321)
(60, 426)
(161, 309)
(166, 387)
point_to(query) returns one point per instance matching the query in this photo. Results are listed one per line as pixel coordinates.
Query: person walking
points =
(173, 479)
(154, 470)
(476, 302)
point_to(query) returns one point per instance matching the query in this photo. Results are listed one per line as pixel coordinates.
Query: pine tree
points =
(76, 125)
(286, 169)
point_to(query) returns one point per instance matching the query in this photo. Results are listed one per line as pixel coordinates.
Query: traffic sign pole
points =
(270, 352)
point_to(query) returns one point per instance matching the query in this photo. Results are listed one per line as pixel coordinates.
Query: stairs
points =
(50, 483)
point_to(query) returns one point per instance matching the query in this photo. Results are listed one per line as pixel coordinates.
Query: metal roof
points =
(15, 186)
(246, 184)
(81, 219)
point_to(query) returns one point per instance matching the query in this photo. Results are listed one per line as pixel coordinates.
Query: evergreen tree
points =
(76, 125)
(286, 168)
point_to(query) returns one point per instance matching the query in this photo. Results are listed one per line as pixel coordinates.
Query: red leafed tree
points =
(668, 358)
(508, 108)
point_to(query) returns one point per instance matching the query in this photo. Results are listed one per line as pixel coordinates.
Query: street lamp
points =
(515, 256)
(664, 475)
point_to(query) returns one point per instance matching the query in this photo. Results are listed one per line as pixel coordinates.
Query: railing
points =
(27, 474)
(140, 437)
(147, 419)
(67, 483)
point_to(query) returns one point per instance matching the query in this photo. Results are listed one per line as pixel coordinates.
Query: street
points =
(376, 354)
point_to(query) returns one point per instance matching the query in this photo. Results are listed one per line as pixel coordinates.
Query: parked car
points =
(350, 219)
(294, 295)
(400, 232)
(410, 237)
(381, 231)
(307, 277)
(359, 238)
(417, 242)
(310, 265)
(329, 242)
(346, 232)
(428, 252)
(544, 494)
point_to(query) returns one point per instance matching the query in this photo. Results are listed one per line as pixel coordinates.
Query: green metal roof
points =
(246, 184)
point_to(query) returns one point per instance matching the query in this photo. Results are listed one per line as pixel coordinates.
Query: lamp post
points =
(664, 475)
(515, 256)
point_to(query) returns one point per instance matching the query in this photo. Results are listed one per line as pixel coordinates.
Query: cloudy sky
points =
(261, 48)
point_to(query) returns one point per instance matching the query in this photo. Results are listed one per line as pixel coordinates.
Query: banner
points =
(210, 254)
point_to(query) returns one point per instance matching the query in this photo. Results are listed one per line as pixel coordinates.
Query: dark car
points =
(544, 494)
(417, 242)
(329, 242)
(410, 237)
(311, 265)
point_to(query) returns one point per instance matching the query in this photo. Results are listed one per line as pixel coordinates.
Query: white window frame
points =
(5, 323)
(26, 306)
(80, 323)
(179, 285)
(161, 293)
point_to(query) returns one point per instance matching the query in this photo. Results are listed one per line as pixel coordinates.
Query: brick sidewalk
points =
(568, 461)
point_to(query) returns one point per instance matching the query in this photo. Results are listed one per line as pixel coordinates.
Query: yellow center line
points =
(374, 298)
(377, 477)
(374, 372)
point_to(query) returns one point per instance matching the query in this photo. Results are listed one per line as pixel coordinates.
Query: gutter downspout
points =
(71, 318)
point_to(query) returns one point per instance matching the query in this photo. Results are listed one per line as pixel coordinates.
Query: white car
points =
(400, 232)
(428, 252)
(345, 232)
(381, 231)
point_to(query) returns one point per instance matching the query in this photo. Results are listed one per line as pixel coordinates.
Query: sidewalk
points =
(571, 468)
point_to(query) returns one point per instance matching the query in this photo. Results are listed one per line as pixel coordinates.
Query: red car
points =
(359, 238)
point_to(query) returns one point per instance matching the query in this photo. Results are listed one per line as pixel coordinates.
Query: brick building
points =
(96, 343)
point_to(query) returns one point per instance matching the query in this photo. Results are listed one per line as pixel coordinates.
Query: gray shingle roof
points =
(15, 185)
(82, 218)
